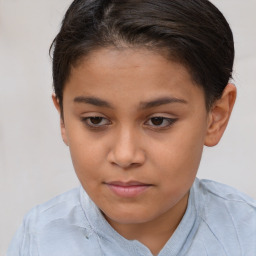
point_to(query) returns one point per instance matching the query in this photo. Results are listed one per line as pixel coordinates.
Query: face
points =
(135, 124)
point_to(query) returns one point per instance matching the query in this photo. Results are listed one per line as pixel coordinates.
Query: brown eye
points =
(96, 119)
(96, 122)
(157, 120)
(160, 122)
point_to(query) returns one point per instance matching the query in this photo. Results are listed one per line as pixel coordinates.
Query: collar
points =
(179, 242)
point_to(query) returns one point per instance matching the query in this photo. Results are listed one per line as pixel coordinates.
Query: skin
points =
(151, 128)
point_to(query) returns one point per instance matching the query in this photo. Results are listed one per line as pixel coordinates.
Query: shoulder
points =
(59, 207)
(65, 200)
(224, 193)
(228, 216)
(222, 199)
(57, 227)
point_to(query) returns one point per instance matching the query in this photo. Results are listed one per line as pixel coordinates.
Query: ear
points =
(219, 115)
(62, 124)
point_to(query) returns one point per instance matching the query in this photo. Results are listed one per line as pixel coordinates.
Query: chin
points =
(135, 217)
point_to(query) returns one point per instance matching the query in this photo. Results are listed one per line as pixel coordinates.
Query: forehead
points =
(126, 59)
(130, 74)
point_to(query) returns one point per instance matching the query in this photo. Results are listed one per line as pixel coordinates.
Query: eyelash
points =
(88, 122)
(170, 122)
(92, 126)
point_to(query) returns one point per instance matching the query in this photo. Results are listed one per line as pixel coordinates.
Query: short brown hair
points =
(192, 32)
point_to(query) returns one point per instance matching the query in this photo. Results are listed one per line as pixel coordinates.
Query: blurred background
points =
(34, 162)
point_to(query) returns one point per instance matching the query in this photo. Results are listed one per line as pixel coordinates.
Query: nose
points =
(126, 151)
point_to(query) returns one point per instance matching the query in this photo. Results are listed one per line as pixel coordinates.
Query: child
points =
(141, 86)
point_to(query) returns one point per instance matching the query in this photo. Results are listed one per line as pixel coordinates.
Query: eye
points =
(96, 121)
(160, 122)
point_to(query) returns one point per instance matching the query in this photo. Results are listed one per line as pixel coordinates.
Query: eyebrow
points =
(161, 101)
(143, 105)
(93, 101)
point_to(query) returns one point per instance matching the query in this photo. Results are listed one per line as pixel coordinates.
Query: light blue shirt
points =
(219, 221)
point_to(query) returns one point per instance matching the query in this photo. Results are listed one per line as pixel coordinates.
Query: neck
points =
(155, 233)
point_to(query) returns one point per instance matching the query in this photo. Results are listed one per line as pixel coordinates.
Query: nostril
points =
(126, 150)
(126, 161)
(132, 165)
(126, 166)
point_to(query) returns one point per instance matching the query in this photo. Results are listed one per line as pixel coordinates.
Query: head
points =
(141, 87)
(192, 32)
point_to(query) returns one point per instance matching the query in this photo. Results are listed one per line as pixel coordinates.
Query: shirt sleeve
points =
(23, 242)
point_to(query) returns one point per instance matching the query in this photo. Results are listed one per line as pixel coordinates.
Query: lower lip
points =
(128, 191)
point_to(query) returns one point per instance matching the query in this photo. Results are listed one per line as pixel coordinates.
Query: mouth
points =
(127, 189)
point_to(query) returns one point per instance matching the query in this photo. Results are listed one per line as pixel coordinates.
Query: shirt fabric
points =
(219, 221)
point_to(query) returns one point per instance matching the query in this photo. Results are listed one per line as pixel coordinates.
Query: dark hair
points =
(191, 32)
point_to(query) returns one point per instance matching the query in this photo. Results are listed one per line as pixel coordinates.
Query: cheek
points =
(179, 156)
(87, 154)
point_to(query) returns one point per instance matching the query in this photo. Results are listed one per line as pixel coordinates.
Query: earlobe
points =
(219, 116)
(56, 102)
(62, 124)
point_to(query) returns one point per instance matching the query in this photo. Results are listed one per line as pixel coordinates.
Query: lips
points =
(128, 189)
